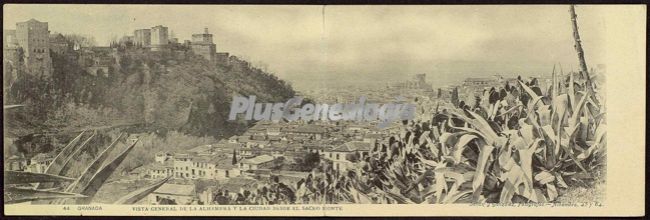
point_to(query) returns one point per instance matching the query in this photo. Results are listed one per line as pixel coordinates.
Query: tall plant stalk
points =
(578, 43)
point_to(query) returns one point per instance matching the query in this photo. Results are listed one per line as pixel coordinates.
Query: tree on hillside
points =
(310, 161)
(81, 40)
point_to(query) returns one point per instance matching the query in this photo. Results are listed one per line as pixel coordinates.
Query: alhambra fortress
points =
(33, 43)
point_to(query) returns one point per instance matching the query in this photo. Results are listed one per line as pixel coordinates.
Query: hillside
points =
(142, 91)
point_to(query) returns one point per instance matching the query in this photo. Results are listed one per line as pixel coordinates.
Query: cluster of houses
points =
(266, 145)
(263, 151)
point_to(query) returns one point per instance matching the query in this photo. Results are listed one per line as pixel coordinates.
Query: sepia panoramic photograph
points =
(208, 105)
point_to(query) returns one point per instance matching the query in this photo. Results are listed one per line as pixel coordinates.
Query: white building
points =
(204, 167)
(39, 163)
(161, 170)
(345, 156)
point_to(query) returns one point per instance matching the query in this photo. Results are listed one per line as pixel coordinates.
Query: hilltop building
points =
(156, 38)
(159, 38)
(33, 38)
(142, 37)
(203, 45)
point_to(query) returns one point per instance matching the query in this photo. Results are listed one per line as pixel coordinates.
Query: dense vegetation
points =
(141, 92)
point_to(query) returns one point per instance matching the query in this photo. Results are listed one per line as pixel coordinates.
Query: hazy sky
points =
(325, 45)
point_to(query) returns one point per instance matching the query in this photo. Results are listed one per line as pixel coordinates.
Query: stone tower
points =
(142, 37)
(34, 37)
(203, 45)
(159, 38)
(205, 38)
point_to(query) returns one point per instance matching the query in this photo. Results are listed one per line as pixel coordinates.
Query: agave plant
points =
(14, 193)
(517, 146)
(80, 190)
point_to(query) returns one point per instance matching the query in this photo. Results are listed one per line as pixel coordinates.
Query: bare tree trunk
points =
(578, 43)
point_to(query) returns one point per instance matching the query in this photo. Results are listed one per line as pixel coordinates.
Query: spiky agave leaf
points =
(440, 186)
(534, 97)
(577, 110)
(482, 128)
(560, 109)
(547, 179)
(102, 175)
(600, 136)
(457, 179)
(458, 175)
(571, 90)
(545, 115)
(481, 164)
(84, 180)
(460, 146)
(526, 160)
(420, 179)
(573, 157)
(513, 179)
(137, 195)
(78, 151)
(57, 164)
(20, 177)
(482, 124)
(93, 168)
(444, 139)
(18, 195)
